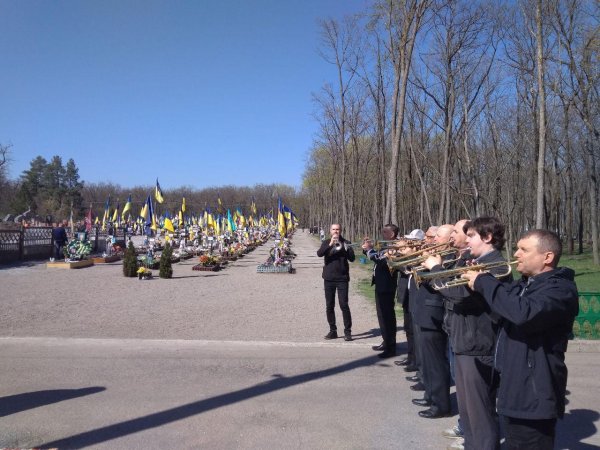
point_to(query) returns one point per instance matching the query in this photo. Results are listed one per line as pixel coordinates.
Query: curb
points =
(583, 346)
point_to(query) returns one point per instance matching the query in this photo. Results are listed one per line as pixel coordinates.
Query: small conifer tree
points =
(166, 270)
(130, 262)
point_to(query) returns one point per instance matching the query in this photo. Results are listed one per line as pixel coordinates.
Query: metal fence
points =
(587, 323)
(31, 243)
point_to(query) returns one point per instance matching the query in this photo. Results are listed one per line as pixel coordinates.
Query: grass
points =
(587, 275)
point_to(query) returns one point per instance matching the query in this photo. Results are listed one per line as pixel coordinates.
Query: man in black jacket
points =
(539, 310)
(473, 329)
(386, 284)
(433, 342)
(336, 273)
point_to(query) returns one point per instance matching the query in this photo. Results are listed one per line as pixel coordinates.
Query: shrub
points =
(130, 262)
(165, 268)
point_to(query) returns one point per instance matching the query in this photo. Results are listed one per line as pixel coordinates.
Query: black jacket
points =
(470, 323)
(429, 308)
(383, 279)
(336, 266)
(59, 235)
(539, 313)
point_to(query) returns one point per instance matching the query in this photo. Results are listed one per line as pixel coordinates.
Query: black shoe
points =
(433, 414)
(379, 348)
(387, 354)
(413, 379)
(421, 402)
(418, 387)
(411, 368)
(348, 337)
(402, 362)
(331, 335)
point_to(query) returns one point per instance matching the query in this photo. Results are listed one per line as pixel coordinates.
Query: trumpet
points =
(415, 257)
(437, 278)
(398, 244)
(337, 246)
(421, 259)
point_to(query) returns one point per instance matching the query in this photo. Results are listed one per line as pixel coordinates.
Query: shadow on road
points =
(160, 418)
(21, 402)
(576, 425)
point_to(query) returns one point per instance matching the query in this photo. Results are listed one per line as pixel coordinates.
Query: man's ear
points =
(549, 259)
(487, 239)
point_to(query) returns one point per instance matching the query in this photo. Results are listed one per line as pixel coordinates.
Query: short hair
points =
(394, 228)
(547, 241)
(487, 226)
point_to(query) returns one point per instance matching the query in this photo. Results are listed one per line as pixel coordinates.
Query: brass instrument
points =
(455, 274)
(415, 257)
(421, 259)
(397, 244)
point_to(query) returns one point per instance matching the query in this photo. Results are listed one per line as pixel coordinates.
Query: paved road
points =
(285, 390)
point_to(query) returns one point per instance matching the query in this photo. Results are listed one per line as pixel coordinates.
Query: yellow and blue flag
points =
(158, 195)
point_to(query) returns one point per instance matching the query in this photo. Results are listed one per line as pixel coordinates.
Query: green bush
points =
(165, 268)
(130, 262)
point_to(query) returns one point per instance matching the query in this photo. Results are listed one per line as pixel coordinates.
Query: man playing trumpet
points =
(336, 275)
(386, 284)
(539, 311)
(472, 330)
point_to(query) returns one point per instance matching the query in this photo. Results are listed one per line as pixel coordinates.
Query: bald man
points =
(433, 342)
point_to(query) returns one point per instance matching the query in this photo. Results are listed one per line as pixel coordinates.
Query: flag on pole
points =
(127, 207)
(183, 205)
(158, 193)
(168, 225)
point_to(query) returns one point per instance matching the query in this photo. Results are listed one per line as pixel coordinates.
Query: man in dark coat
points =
(386, 284)
(59, 236)
(473, 329)
(336, 273)
(539, 311)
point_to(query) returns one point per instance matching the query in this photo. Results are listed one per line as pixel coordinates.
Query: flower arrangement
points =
(207, 260)
(144, 274)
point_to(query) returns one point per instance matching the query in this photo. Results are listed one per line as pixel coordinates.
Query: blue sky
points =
(199, 93)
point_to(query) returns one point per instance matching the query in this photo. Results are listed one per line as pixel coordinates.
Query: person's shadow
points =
(576, 425)
(21, 402)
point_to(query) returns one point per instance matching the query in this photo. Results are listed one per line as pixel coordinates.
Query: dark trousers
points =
(410, 337)
(524, 434)
(386, 316)
(436, 368)
(418, 345)
(58, 251)
(476, 385)
(342, 290)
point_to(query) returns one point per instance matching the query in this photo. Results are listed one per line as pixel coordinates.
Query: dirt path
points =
(234, 304)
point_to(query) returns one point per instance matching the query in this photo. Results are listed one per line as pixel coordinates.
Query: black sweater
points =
(335, 267)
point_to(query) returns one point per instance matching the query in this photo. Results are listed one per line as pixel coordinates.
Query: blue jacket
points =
(530, 352)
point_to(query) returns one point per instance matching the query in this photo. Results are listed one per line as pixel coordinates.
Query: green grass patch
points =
(587, 274)
(362, 274)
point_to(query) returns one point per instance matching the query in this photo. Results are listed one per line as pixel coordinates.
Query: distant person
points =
(322, 234)
(59, 236)
(336, 273)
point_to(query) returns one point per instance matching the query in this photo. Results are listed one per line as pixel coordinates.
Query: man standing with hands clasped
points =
(336, 273)
(539, 311)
